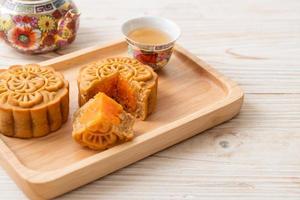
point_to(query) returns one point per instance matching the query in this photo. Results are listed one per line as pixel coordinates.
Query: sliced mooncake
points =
(102, 123)
(128, 81)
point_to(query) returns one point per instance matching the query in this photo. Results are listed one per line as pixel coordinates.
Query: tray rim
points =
(10, 161)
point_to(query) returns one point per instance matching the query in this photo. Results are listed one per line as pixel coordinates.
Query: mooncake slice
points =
(126, 80)
(102, 123)
(34, 101)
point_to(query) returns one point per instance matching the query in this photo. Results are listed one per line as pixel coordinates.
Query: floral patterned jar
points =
(38, 26)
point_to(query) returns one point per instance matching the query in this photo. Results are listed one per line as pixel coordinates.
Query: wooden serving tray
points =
(192, 97)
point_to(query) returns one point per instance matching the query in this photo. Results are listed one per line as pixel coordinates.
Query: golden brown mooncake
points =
(102, 123)
(128, 81)
(34, 101)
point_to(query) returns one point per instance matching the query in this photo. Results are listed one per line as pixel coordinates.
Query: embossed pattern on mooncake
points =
(34, 101)
(128, 81)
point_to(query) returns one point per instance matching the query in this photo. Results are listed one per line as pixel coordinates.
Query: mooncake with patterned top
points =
(34, 101)
(126, 80)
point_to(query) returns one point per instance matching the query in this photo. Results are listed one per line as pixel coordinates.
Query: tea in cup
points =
(151, 39)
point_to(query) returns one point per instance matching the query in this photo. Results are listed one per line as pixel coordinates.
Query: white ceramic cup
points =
(156, 56)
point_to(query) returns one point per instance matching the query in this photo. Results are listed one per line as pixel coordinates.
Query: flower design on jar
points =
(5, 23)
(24, 37)
(67, 27)
(2, 35)
(25, 20)
(46, 23)
(28, 86)
(48, 40)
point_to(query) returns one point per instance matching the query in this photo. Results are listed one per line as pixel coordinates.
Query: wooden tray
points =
(192, 97)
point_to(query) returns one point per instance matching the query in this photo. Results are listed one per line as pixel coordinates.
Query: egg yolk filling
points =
(119, 89)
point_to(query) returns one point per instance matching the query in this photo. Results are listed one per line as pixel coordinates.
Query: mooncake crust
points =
(34, 101)
(141, 78)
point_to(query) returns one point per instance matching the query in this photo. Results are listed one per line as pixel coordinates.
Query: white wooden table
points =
(254, 156)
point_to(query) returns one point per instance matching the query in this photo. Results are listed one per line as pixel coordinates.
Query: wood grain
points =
(53, 165)
(254, 156)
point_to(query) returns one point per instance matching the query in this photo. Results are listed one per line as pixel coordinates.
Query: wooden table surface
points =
(254, 156)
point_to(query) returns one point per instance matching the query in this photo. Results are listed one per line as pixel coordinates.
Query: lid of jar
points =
(31, 1)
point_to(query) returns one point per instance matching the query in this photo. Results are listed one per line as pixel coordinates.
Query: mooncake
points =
(102, 123)
(34, 101)
(126, 80)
